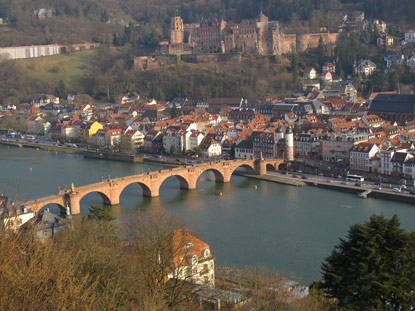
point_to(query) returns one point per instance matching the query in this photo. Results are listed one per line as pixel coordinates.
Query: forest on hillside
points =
(75, 21)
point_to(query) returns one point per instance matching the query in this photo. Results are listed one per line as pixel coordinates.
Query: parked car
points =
(403, 186)
(344, 182)
(329, 180)
(412, 192)
(397, 190)
(296, 176)
(304, 177)
(358, 184)
(378, 188)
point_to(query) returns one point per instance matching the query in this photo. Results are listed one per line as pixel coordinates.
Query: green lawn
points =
(67, 67)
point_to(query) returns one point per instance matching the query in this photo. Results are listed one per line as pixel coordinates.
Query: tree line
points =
(75, 21)
(92, 265)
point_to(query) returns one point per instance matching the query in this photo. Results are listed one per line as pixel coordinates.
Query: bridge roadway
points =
(111, 189)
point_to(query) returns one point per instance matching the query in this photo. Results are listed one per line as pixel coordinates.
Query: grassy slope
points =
(229, 79)
(67, 67)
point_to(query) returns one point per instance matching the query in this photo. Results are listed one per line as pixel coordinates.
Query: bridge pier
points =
(226, 178)
(74, 204)
(260, 166)
(150, 193)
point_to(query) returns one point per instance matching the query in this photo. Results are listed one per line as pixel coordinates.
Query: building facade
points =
(258, 35)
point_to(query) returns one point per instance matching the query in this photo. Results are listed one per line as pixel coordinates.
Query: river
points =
(291, 229)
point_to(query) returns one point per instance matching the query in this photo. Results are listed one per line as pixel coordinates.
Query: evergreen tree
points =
(60, 90)
(174, 112)
(100, 212)
(373, 269)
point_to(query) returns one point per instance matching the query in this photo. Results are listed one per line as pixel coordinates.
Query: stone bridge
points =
(111, 189)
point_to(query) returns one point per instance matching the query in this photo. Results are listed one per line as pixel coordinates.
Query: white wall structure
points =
(20, 52)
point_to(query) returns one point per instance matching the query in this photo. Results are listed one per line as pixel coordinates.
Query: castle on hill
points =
(257, 36)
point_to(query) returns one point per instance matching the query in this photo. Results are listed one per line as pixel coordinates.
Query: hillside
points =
(109, 72)
(69, 68)
(75, 21)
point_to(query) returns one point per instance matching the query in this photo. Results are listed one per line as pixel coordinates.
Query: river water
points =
(291, 229)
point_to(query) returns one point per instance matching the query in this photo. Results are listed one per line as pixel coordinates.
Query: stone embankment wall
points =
(311, 40)
(113, 156)
(155, 62)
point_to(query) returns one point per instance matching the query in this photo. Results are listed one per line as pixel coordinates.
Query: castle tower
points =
(176, 30)
(261, 18)
(289, 144)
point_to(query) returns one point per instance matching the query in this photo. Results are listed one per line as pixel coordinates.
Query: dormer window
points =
(206, 253)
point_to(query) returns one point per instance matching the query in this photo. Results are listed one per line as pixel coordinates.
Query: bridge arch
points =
(38, 207)
(249, 167)
(271, 167)
(282, 167)
(105, 197)
(146, 190)
(219, 177)
(184, 183)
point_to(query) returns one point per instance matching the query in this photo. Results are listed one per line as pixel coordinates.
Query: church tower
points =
(289, 144)
(176, 30)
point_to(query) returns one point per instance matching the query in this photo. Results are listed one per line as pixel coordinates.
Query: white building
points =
(174, 141)
(210, 147)
(178, 137)
(394, 60)
(306, 145)
(195, 139)
(363, 157)
(373, 121)
(136, 137)
(410, 36)
(14, 217)
(410, 62)
(192, 259)
(336, 148)
(386, 167)
(310, 73)
(365, 67)
(244, 150)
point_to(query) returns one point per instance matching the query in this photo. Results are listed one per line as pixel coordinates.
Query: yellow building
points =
(90, 128)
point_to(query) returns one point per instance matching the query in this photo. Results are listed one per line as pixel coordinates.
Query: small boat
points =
(347, 206)
(315, 184)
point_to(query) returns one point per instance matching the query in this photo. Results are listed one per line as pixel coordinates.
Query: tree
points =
(173, 149)
(297, 129)
(269, 291)
(373, 269)
(60, 90)
(198, 150)
(159, 241)
(100, 212)
(174, 112)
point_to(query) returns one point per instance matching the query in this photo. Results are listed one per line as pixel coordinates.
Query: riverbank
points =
(102, 155)
(381, 194)
(42, 147)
